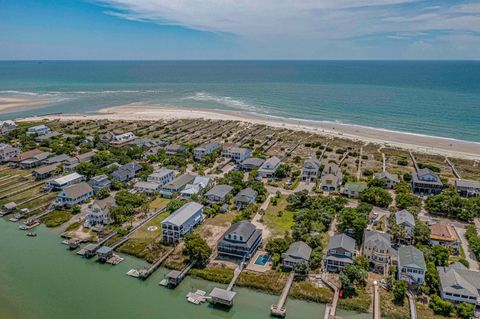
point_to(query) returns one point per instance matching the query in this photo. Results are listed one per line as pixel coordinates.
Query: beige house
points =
(377, 248)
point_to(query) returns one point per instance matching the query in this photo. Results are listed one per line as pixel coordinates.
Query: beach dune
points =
(414, 142)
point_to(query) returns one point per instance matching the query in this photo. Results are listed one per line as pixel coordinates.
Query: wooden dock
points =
(175, 277)
(376, 301)
(146, 272)
(279, 309)
(331, 309)
(225, 297)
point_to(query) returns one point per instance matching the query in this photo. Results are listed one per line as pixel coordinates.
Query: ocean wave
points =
(57, 93)
(225, 100)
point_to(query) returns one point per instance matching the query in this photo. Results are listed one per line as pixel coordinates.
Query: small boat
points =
(193, 300)
(32, 234)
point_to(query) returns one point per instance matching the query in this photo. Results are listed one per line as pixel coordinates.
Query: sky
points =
(239, 29)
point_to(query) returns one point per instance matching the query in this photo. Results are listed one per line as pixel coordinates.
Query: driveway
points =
(469, 256)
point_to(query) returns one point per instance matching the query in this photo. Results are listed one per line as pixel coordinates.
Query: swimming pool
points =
(262, 260)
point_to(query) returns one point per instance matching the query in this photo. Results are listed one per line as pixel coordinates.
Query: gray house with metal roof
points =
(269, 167)
(205, 149)
(218, 193)
(459, 284)
(311, 169)
(181, 222)
(340, 253)
(240, 241)
(467, 188)
(252, 163)
(298, 252)
(405, 220)
(176, 185)
(411, 265)
(390, 179)
(245, 197)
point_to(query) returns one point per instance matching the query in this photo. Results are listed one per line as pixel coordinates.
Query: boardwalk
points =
(359, 169)
(414, 160)
(454, 170)
(411, 304)
(279, 309)
(376, 302)
(331, 310)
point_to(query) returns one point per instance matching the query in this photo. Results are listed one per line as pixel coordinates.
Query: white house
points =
(38, 130)
(310, 170)
(181, 222)
(74, 195)
(459, 284)
(411, 265)
(7, 152)
(98, 213)
(331, 177)
(194, 188)
(237, 154)
(123, 138)
(64, 181)
(269, 167)
(7, 126)
(205, 149)
(161, 176)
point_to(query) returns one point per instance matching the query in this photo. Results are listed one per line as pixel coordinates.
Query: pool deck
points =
(258, 268)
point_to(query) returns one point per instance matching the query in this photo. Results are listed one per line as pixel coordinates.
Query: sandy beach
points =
(414, 142)
(16, 104)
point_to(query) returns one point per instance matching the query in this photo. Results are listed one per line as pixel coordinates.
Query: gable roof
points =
(271, 163)
(342, 241)
(409, 255)
(246, 194)
(355, 187)
(221, 190)
(467, 183)
(387, 175)
(181, 215)
(179, 181)
(373, 238)
(312, 162)
(77, 190)
(457, 279)
(253, 161)
(299, 249)
(404, 216)
(443, 232)
(244, 229)
(105, 203)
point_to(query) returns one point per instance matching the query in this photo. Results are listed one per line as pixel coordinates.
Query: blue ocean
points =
(424, 97)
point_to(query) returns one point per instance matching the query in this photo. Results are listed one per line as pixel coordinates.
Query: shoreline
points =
(389, 138)
(12, 104)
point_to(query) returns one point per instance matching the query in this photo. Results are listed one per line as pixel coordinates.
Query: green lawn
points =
(57, 218)
(144, 233)
(158, 203)
(278, 224)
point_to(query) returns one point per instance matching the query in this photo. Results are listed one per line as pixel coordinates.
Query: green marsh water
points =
(41, 279)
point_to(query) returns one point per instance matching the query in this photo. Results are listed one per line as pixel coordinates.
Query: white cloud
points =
(295, 21)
